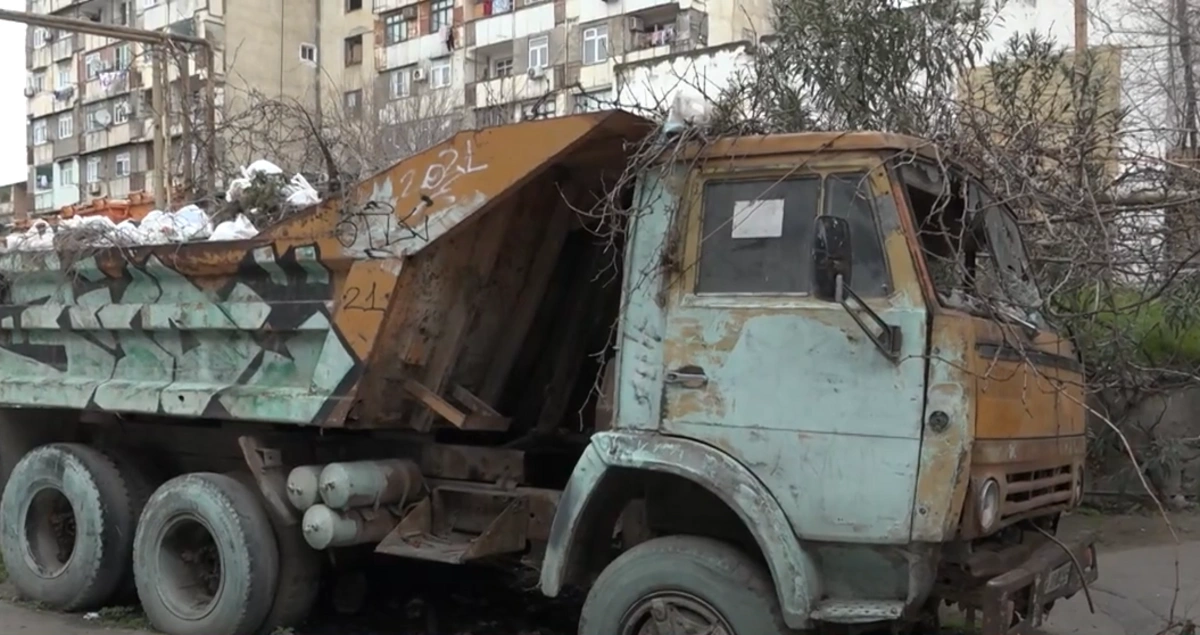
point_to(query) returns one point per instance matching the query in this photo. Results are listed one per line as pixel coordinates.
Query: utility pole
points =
(163, 41)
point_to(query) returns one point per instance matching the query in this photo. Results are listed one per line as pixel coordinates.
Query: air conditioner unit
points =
(409, 12)
(420, 74)
(634, 23)
(536, 72)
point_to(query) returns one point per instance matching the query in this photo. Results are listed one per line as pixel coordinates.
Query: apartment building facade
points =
(91, 124)
(425, 68)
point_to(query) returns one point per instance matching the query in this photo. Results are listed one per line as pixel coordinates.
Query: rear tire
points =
(299, 570)
(67, 522)
(704, 582)
(205, 557)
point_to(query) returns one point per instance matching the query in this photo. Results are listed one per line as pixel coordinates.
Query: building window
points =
(66, 173)
(594, 101)
(43, 177)
(308, 53)
(123, 164)
(92, 173)
(595, 44)
(39, 132)
(493, 116)
(91, 66)
(41, 37)
(441, 13)
(539, 51)
(37, 81)
(354, 50)
(352, 102)
(353, 5)
(66, 126)
(395, 28)
(146, 4)
(121, 111)
(540, 109)
(62, 75)
(400, 83)
(121, 15)
(124, 57)
(502, 67)
(440, 75)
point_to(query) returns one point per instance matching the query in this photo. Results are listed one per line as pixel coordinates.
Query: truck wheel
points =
(205, 558)
(683, 584)
(299, 570)
(66, 526)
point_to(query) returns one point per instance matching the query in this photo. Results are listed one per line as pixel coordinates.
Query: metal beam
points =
(76, 25)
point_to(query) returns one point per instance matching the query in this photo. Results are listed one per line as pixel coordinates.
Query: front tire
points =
(66, 526)
(205, 560)
(694, 584)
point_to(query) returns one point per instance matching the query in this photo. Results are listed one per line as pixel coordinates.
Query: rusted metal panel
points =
(285, 327)
(792, 388)
(949, 424)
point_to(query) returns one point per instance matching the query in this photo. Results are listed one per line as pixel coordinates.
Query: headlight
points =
(989, 504)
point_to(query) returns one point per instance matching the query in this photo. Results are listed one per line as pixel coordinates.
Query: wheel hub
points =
(674, 613)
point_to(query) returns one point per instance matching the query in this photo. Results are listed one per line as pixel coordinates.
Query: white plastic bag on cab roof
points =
(239, 228)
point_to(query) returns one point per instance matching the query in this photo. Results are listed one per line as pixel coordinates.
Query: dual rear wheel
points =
(79, 529)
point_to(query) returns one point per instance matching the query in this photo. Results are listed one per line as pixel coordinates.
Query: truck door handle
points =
(688, 377)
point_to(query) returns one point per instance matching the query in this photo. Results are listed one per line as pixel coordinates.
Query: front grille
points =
(1027, 493)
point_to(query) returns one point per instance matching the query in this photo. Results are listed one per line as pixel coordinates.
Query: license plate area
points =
(1057, 579)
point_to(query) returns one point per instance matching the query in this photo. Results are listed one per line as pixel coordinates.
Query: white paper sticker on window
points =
(758, 219)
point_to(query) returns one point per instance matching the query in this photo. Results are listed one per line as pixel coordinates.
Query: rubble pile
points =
(259, 197)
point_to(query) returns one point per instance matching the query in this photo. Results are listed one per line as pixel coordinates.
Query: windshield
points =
(972, 244)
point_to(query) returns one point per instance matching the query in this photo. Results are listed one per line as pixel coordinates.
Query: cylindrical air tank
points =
(324, 527)
(370, 483)
(302, 486)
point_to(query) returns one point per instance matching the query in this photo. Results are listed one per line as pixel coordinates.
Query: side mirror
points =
(831, 257)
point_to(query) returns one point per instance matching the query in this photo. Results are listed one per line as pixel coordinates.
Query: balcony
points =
(513, 24)
(116, 135)
(167, 12)
(387, 6)
(507, 90)
(110, 83)
(414, 50)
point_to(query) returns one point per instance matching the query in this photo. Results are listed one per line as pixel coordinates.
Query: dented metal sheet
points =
(280, 328)
(792, 568)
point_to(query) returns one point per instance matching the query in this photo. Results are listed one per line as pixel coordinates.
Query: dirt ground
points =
(1136, 593)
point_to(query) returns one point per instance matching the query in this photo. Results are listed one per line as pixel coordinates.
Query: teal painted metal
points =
(138, 336)
(795, 390)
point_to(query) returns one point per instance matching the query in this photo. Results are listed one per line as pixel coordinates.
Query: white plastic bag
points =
(239, 228)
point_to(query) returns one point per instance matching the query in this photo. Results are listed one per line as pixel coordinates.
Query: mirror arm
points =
(888, 339)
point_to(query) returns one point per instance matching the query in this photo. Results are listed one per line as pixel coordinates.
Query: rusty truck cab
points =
(892, 435)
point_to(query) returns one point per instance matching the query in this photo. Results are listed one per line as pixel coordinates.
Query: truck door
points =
(791, 385)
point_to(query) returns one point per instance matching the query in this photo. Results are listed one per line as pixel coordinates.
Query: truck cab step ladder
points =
(858, 611)
(459, 523)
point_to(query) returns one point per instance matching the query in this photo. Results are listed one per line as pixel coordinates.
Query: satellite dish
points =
(103, 118)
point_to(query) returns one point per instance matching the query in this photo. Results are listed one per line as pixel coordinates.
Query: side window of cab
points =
(756, 236)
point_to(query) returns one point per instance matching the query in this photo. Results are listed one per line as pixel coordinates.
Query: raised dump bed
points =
(418, 289)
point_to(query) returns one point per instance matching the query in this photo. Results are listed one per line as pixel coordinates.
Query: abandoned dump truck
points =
(751, 402)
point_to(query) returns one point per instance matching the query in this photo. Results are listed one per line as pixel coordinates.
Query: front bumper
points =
(1016, 602)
